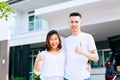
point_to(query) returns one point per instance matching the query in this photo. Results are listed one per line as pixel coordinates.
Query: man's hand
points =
(79, 49)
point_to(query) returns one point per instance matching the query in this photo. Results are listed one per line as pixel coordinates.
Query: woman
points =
(50, 63)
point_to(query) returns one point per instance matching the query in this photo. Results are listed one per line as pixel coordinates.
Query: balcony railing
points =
(25, 28)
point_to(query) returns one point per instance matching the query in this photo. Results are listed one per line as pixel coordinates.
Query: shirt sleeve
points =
(91, 43)
(36, 72)
(63, 45)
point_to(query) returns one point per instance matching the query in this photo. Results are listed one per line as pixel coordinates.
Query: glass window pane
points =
(31, 18)
(41, 49)
(35, 51)
(99, 63)
(38, 24)
(30, 52)
(31, 26)
(36, 17)
(30, 61)
(107, 55)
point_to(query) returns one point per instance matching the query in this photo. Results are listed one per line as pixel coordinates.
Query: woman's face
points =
(54, 41)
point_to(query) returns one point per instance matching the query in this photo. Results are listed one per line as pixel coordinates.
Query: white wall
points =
(58, 23)
(21, 23)
(4, 28)
(29, 38)
(98, 74)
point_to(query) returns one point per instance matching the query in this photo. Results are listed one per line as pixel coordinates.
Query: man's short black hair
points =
(75, 14)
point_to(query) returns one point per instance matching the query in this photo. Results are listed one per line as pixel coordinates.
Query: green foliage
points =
(36, 77)
(5, 10)
(17, 78)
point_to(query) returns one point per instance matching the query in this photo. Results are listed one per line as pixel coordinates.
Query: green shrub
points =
(36, 77)
(17, 78)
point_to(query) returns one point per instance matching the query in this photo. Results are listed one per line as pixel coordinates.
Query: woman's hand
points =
(88, 68)
(39, 57)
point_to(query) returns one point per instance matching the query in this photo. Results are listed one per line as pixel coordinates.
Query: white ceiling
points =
(101, 19)
(29, 5)
(100, 31)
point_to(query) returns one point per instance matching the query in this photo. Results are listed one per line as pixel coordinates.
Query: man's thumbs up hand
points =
(79, 49)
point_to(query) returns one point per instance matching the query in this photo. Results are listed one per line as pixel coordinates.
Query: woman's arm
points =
(37, 60)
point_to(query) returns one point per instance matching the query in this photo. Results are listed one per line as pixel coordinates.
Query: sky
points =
(3, 0)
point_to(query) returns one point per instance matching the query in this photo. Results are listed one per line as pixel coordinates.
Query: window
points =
(35, 23)
(100, 61)
(104, 55)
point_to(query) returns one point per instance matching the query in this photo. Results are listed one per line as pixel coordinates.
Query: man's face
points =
(75, 22)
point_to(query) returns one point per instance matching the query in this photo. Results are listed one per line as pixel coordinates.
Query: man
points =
(80, 47)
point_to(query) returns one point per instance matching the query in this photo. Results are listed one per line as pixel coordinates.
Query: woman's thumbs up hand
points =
(40, 57)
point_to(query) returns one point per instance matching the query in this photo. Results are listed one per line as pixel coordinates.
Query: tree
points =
(5, 10)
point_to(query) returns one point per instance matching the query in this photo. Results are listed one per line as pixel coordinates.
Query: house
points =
(34, 18)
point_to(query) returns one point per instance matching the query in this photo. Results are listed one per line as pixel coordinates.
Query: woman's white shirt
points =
(52, 65)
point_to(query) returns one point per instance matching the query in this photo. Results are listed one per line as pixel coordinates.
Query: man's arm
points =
(92, 55)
